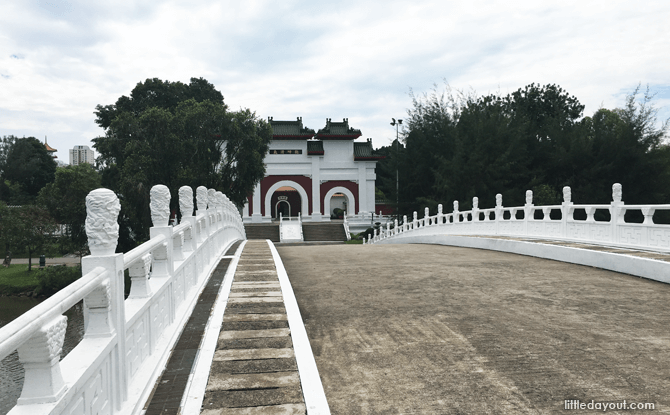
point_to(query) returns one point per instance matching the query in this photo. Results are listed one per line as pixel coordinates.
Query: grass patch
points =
(16, 279)
(354, 241)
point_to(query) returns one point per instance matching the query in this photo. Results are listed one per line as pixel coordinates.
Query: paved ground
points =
(444, 330)
(69, 261)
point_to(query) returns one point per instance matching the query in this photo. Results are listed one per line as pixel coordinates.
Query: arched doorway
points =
(285, 200)
(338, 204)
(296, 196)
(341, 198)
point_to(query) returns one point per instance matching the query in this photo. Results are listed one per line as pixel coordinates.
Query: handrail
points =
(19, 330)
(181, 258)
(346, 226)
(615, 231)
(136, 253)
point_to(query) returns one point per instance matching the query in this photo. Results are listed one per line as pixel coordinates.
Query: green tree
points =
(28, 227)
(176, 134)
(65, 198)
(536, 138)
(26, 163)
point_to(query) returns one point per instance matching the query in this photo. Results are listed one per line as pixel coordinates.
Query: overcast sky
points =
(317, 59)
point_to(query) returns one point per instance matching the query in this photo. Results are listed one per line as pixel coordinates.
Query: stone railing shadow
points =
(126, 341)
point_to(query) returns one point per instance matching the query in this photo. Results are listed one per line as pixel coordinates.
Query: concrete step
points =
(262, 231)
(323, 232)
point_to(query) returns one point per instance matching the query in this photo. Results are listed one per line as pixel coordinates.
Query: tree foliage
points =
(176, 134)
(28, 227)
(25, 167)
(65, 198)
(459, 146)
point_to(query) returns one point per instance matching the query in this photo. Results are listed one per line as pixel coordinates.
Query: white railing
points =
(126, 341)
(362, 221)
(505, 221)
(290, 229)
(346, 226)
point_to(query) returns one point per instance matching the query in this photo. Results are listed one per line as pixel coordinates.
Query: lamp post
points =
(397, 181)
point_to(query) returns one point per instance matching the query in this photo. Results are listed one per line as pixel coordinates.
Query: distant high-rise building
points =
(81, 154)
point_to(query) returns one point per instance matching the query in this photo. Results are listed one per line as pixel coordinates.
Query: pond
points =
(11, 371)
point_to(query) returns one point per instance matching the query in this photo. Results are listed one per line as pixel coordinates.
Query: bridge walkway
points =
(424, 328)
(251, 365)
(254, 363)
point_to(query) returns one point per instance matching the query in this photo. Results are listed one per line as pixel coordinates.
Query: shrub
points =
(368, 232)
(52, 279)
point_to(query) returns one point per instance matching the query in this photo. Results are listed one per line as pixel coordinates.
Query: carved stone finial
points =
(475, 202)
(201, 197)
(499, 200)
(529, 197)
(45, 344)
(416, 215)
(567, 194)
(40, 355)
(455, 205)
(211, 198)
(102, 227)
(221, 199)
(160, 205)
(439, 209)
(617, 192)
(426, 212)
(186, 201)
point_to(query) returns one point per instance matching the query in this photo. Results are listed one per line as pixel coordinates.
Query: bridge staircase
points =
(322, 232)
(262, 231)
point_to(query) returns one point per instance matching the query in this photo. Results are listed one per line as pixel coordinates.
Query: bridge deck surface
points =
(449, 330)
(254, 368)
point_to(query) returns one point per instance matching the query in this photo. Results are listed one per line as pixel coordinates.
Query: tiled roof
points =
(338, 130)
(314, 148)
(290, 130)
(363, 151)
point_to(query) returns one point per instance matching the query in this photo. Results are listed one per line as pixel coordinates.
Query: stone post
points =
(395, 227)
(415, 220)
(498, 212)
(475, 209)
(567, 210)
(186, 208)
(440, 215)
(201, 200)
(160, 213)
(104, 308)
(457, 216)
(528, 211)
(617, 211)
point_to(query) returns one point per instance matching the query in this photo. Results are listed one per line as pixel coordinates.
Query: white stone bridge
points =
(128, 341)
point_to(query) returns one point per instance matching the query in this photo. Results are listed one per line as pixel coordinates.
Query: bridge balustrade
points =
(126, 341)
(505, 221)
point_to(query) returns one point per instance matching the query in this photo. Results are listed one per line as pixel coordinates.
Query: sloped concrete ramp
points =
(433, 329)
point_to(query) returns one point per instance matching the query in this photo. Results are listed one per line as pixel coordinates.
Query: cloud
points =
(353, 59)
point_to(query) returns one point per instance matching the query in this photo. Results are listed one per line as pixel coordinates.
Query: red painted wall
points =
(351, 186)
(305, 182)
